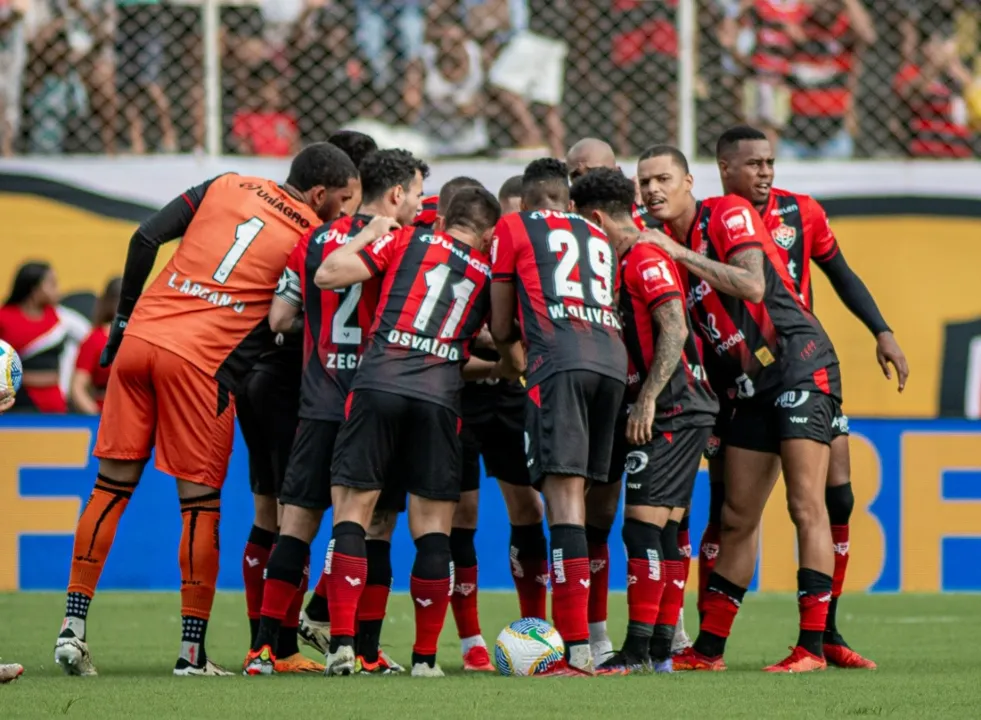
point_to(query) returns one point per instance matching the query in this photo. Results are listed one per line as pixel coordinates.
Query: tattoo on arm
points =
(669, 317)
(743, 278)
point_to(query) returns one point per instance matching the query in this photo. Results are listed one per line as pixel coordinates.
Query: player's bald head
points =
(588, 154)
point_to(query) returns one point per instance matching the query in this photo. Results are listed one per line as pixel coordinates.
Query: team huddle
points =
(578, 331)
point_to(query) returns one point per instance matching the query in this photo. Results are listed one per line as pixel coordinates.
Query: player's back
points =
(209, 302)
(435, 297)
(564, 271)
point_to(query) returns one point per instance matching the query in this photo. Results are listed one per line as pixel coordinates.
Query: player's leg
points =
(433, 455)
(365, 445)
(464, 552)
(527, 546)
(840, 501)
(751, 469)
(681, 641)
(669, 637)
(805, 452)
(305, 496)
(715, 453)
(124, 444)
(372, 607)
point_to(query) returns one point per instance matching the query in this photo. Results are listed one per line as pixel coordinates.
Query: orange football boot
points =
(799, 661)
(259, 662)
(298, 663)
(690, 660)
(844, 657)
(477, 659)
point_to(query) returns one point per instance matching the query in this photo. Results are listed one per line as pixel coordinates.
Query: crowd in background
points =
(828, 78)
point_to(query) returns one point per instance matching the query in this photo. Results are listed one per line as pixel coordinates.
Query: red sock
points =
(345, 584)
(531, 580)
(673, 572)
(599, 581)
(464, 601)
(570, 599)
(254, 561)
(430, 598)
(292, 619)
(708, 551)
(645, 586)
(839, 534)
(719, 611)
(684, 546)
(277, 596)
(374, 602)
(321, 587)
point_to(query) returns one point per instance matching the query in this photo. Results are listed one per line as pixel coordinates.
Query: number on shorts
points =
(340, 332)
(435, 283)
(245, 233)
(600, 262)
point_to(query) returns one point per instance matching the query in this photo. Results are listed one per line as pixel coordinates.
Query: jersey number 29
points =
(600, 262)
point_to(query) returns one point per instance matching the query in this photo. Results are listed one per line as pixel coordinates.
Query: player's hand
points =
(6, 402)
(485, 341)
(116, 331)
(656, 237)
(381, 224)
(887, 351)
(640, 421)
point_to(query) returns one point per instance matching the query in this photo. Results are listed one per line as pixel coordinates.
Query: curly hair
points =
(545, 183)
(604, 189)
(384, 169)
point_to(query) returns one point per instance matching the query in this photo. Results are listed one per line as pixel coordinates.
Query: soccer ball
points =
(529, 646)
(11, 370)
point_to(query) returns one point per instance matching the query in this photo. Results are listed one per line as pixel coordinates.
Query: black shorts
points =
(662, 472)
(839, 426)
(762, 423)
(717, 439)
(307, 483)
(502, 445)
(399, 444)
(267, 408)
(570, 421)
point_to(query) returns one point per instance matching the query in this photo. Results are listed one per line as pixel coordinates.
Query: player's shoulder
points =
(803, 200)
(722, 203)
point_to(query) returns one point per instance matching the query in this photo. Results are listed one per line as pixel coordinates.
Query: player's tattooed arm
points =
(741, 277)
(669, 318)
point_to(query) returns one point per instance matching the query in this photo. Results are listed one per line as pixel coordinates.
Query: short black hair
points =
(451, 188)
(475, 208)
(733, 136)
(384, 169)
(511, 188)
(545, 182)
(661, 150)
(321, 164)
(604, 189)
(355, 144)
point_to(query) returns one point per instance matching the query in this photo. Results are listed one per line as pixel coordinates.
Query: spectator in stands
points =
(390, 34)
(330, 80)
(57, 96)
(140, 55)
(265, 126)
(89, 381)
(825, 63)
(13, 56)
(91, 32)
(931, 86)
(453, 77)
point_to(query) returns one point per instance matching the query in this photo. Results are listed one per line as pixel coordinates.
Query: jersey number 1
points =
(245, 233)
(435, 282)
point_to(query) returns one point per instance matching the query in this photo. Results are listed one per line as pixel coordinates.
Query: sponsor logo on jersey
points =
(446, 244)
(785, 236)
(792, 399)
(378, 245)
(764, 355)
(656, 275)
(730, 342)
(698, 293)
(738, 223)
(333, 235)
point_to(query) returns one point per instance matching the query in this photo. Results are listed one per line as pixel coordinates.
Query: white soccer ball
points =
(11, 370)
(529, 646)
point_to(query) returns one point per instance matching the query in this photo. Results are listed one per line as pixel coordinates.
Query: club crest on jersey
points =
(785, 236)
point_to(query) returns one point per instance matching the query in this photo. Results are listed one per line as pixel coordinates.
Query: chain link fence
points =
(825, 78)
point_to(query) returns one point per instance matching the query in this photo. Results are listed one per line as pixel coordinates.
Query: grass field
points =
(923, 645)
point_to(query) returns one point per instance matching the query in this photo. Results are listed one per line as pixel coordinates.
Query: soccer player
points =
(510, 195)
(785, 371)
(189, 339)
(556, 273)
(314, 628)
(405, 407)
(799, 227)
(586, 155)
(336, 327)
(669, 409)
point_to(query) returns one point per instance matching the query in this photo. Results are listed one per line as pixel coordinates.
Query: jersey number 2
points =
(435, 282)
(600, 262)
(245, 233)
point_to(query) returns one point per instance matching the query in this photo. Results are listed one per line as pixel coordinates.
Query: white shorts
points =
(533, 67)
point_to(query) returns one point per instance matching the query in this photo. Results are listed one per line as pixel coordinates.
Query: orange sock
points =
(95, 533)
(199, 554)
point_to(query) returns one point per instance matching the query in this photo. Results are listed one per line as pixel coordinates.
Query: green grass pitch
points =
(925, 647)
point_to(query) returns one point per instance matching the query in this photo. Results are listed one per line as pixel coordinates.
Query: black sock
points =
(193, 631)
(831, 634)
(708, 643)
(317, 609)
(368, 640)
(661, 641)
(462, 547)
(286, 644)
(287, 562)
(637, 645)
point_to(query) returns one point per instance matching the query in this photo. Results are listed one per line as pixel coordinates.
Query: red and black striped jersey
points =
(763, 347)
(336, 322)
(564, 270)
(428, 210)
(644, 220)
(648, 279)
(435, 297)
(799, 226)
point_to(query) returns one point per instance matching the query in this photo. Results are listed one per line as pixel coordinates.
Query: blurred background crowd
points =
(828, 78)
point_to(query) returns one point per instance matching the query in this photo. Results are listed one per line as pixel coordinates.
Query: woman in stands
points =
(30, 322)
(88, 388)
